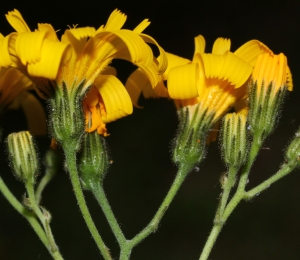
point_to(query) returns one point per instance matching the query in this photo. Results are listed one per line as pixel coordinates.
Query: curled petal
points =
(12, 83)
(227, 67)
(163, 61)
(28, 46)
(213, 64)
(116, 100)
(77, 37)
(4, 50)
(34, 113)
(221, 46)
(235, 70)
(51, 34)
(17, 22)
(52, 54)
(174, 61)
(183, 81)
(199, 44)
(109, 71)
(250, 51)
(136, 83)
(105, 46)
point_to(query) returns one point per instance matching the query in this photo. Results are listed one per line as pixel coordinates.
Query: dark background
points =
(266, 228)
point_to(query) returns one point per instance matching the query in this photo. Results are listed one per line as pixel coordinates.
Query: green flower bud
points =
(189, 144)
(292, 154)
(269, 84)
(234, 143)
(23, 156)
(93, 160)
(66, 115)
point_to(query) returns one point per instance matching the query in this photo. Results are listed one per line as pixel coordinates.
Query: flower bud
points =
(66, 116)
(23, 156)
(93, 160)
(189, 144)
(234, 144)
(292, 154)
(270, 81)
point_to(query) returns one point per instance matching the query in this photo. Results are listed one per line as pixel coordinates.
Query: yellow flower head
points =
(213, 81)
(272, 69)
(81, 58)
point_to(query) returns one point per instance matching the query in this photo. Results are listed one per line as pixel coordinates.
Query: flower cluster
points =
(80, 61)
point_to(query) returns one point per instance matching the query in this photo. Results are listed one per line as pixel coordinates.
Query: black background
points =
(266, 228)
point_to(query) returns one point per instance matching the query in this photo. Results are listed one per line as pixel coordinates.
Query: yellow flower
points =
(272, 69)
(215, 81)
(80, 59)
(271, 79)
(14, 95)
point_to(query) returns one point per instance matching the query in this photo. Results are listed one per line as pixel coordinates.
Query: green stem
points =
(211, 241)
(153, 225)
(103, 202)
(43, 183)
(72, 168)
(285, 169)
(236, 199)
(126, 246)
(30, 217)
(44, 218)
(226, 192)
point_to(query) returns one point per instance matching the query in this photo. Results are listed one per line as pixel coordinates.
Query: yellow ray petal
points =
(250, 51)
(109, 71)
(199, 44)
(221, 45)
(105, 46)
(235, 70)
(227, 67)
(135, 84)
(28, 46)
(115, 21)
(115, 97)
(52, 54)
(142, 26)
(163, 61)
(289, 79)
(174, 61)
(17, 22)
(4, 52)
(12, 83)
(77, 37)
(213, 64)
(51, 34)
(183, 81)
(35, 114)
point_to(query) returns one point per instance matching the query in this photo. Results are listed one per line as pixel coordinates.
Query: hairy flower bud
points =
(234, 140)
(93, 160)
(292, 154)
(23, 156)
